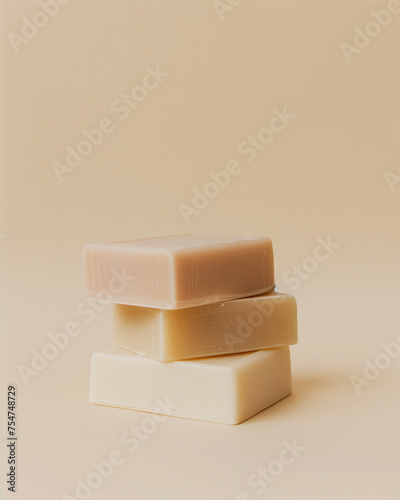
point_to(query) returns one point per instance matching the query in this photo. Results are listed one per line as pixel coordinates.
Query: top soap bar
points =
(179, 271)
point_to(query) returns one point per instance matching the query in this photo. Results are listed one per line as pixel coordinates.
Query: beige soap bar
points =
(179, 271)
(226, 389)
(240, 325)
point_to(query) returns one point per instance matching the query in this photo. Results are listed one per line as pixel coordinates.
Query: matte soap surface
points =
(240, 325)
(179, 271)
(225, 389)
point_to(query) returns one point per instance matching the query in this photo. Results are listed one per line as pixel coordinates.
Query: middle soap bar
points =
(252, 323)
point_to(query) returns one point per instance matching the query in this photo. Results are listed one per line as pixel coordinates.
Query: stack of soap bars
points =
(199, 330)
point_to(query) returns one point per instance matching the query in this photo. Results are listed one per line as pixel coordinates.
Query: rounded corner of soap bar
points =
(267, 240)
(93, 358)
(88, 249)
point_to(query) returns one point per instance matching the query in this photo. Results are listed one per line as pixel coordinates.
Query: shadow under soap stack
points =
(199, 330)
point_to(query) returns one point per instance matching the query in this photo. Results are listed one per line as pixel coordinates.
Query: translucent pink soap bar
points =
(179, 271)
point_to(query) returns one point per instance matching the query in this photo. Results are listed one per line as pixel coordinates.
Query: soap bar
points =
(179, 271)
(247, 324)
(225, 389)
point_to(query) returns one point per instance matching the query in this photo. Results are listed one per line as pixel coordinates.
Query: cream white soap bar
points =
(247, 324)
(179, 271)
(225, 389)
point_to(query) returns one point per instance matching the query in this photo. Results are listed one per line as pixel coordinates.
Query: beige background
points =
(323, 175)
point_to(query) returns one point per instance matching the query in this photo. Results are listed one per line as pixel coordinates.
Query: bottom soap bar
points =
(225, 389)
